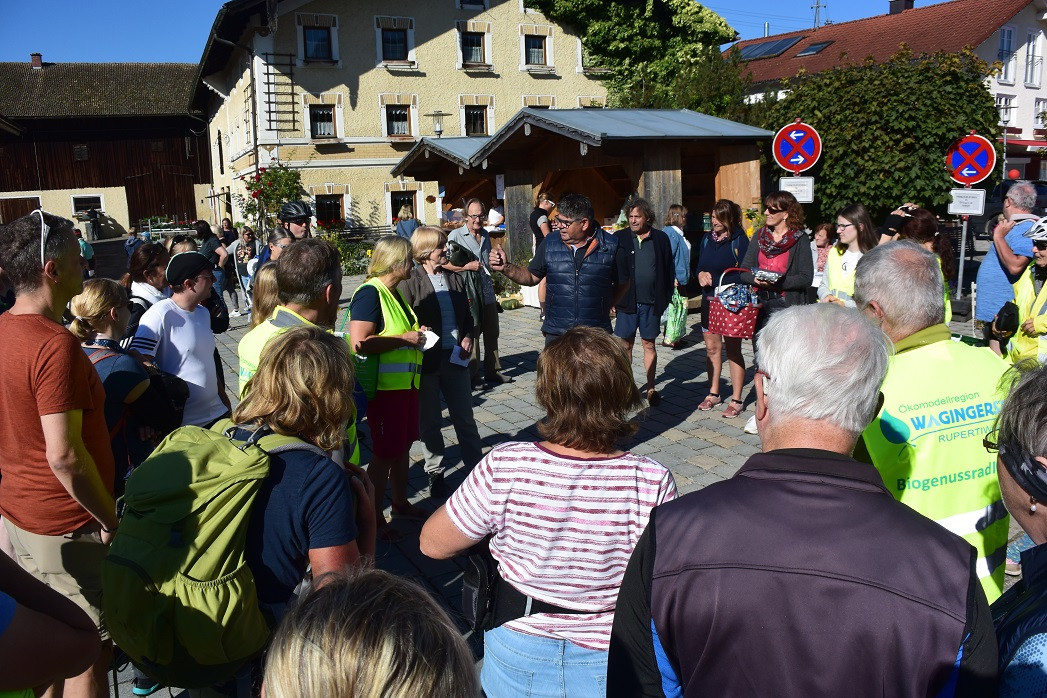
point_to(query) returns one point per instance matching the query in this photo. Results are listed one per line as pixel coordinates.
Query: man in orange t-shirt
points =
(56, 462)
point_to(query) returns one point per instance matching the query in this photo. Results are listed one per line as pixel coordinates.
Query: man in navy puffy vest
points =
(585, 268)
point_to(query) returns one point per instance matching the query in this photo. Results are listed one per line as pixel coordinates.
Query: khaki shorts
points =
(70, 564)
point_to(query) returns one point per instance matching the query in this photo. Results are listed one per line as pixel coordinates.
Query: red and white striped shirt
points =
(563, 529)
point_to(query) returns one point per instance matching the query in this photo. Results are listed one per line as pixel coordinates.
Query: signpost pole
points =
(963, 250)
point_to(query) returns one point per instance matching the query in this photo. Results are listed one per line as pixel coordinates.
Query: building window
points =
(1006, 54)
(471, 4)
(534, 50)
(317, 44)
(330, 207)
(475, 121)
(473, 48)
(83, 204)
(1033, 59)
(1006, 109)
(80, 152)
(594, 102)
(321, 121)
(394, 44)
(539, 101)
(1041, 113)
(397, 120)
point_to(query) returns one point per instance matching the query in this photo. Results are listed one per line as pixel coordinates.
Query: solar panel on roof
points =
(813, 49)
(769, 48)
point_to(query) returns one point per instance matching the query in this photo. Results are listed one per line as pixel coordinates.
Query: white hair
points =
(825, 363)
(906, 282)
(1022, 194)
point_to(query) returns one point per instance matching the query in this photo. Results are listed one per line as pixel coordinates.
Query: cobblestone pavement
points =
(698, 447)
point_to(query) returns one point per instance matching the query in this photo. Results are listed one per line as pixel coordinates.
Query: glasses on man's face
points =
(475, 216)
(45, 232)
(566, 222)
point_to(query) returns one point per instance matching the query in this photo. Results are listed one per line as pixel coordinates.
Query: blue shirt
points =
(120, 374)
(681, 254)
(306, 503)
(995, 285)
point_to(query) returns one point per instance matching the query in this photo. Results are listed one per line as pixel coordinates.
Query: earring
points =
(1032, 507)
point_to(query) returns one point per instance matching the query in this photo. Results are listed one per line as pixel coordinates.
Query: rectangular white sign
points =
(967, 202)
(800, 187)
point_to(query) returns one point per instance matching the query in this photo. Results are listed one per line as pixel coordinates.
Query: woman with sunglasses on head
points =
(856, 237)
(1030, 295)
(1020, 615)
(724, 247)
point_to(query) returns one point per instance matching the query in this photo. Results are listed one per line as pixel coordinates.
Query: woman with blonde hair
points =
(368, 634)
(563, 517)
(100, 316)
(305, 515)
(265, 294)
(406, 223)
(384, 329)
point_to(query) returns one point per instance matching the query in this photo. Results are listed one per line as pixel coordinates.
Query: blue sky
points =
(175, 30)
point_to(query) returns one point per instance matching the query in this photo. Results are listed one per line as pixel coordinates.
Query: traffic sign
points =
(797, 146)
(971, 159)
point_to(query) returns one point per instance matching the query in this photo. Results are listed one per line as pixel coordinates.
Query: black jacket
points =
(664, 270)
(800, 576)
(798, 274)
(419, 293)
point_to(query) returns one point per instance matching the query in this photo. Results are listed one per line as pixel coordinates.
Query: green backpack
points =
(177, 595)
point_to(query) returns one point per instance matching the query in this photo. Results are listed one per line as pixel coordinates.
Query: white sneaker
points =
(750, 426)
(234, 313)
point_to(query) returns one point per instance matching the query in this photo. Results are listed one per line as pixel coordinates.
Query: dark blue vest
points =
(578, 294)
(1022, 610)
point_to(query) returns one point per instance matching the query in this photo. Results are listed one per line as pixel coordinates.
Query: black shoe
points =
(497, 379)
(437, 486)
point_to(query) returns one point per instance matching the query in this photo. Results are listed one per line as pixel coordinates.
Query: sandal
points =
(711, 400)
(734, 408)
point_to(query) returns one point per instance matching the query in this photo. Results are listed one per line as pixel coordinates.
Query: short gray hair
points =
(823, 362)
(1022, 418)
(906, 282)
(1022, 194)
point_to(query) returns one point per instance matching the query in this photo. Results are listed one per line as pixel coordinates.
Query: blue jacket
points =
(1020, 617)
(582, 294)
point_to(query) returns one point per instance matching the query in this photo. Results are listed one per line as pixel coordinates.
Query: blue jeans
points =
(525, 666)
(219, 282)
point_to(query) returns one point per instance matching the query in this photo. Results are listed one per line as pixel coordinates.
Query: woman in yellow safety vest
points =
(921, 226)
(856, 237)
(383, 328)
(1030, 295)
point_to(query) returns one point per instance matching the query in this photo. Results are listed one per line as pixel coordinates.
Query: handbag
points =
(488, 601)
(676, 322)
(734, 310)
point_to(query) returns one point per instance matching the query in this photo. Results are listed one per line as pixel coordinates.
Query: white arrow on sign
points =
(968, 171)
(797, 160)
(797, 135)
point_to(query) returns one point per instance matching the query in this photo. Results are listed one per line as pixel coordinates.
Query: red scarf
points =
(770, 248)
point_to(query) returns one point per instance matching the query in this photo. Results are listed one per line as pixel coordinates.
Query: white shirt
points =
(181, 343)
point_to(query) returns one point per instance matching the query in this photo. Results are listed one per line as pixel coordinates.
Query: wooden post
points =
(661, 182)
(519, 202)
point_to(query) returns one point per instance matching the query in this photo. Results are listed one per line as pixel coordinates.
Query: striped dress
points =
(562, 529)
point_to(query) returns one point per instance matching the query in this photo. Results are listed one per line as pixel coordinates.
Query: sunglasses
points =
(771, 209)
(45, 232)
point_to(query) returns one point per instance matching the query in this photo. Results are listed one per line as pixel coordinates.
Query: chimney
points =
(36, 60)
(900, 5)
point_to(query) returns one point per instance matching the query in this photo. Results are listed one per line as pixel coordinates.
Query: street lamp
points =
(438, 121)
(1005, 118)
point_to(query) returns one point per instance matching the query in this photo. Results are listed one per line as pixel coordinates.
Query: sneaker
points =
(144, 686)
(750, 426)
(437, 486)
(1013, 568)
(234, 313)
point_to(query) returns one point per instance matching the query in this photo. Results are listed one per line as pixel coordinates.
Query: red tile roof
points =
(947, 26)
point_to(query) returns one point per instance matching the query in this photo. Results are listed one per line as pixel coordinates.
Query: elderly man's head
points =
(819, 363)
(900, 285)
(1021, 197)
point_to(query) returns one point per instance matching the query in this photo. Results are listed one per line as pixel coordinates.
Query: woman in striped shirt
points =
(563, 516)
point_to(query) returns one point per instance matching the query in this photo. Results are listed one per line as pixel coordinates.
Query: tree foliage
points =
(642, 43)
(886, 127)
(266, 191)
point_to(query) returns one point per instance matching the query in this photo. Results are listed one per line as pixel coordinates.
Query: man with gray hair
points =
(814, 524)
(1008, 256)
(940, 398)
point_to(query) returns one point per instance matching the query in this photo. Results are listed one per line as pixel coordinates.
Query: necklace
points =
(107, 343)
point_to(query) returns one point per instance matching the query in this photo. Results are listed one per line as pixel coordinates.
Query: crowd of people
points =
(891, 456)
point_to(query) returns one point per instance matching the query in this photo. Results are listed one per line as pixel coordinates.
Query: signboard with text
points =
(800, 187)
(967, 202)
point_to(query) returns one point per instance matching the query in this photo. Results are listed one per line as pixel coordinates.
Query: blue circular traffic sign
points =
(797, 147)
(971, 159)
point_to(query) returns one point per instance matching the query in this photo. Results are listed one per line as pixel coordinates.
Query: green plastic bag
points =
(676, 322)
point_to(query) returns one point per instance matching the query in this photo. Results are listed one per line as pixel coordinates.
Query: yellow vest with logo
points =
(249, 351)
(398, 369)
(840, 282)
(940, 400)
(1030, 305)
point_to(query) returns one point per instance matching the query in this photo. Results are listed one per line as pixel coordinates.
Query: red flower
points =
(255, 194)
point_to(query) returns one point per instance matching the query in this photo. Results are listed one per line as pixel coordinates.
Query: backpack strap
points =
(264, 438)
(95, 358)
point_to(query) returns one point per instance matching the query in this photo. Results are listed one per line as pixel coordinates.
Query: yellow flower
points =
(368, 253)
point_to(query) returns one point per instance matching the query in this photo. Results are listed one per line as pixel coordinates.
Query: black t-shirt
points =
(620, 271)
(208, 247)
(536, 220)
(366, 306)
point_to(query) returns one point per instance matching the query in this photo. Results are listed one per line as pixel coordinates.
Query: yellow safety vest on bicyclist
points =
(940, 400)
(1030, 305)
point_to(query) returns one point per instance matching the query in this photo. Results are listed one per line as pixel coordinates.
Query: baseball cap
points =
(186, 265)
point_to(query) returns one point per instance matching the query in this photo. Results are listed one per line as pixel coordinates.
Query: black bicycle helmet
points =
(295, 210)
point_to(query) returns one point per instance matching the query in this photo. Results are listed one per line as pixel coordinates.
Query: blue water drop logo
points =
(894, 429)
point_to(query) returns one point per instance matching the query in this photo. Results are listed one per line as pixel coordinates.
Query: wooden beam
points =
(519, 202)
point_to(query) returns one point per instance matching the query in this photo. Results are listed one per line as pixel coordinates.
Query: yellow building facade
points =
(342, 91)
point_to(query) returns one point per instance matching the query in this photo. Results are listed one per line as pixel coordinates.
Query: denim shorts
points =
(644, 320)
(517, 665)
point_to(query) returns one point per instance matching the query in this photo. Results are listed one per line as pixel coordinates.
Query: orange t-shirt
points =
(45, 371)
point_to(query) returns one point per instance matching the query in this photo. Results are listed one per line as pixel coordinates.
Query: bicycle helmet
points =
(1038, 231)
(294, 211)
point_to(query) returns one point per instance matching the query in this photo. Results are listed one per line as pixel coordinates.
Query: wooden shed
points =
(666, 156)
